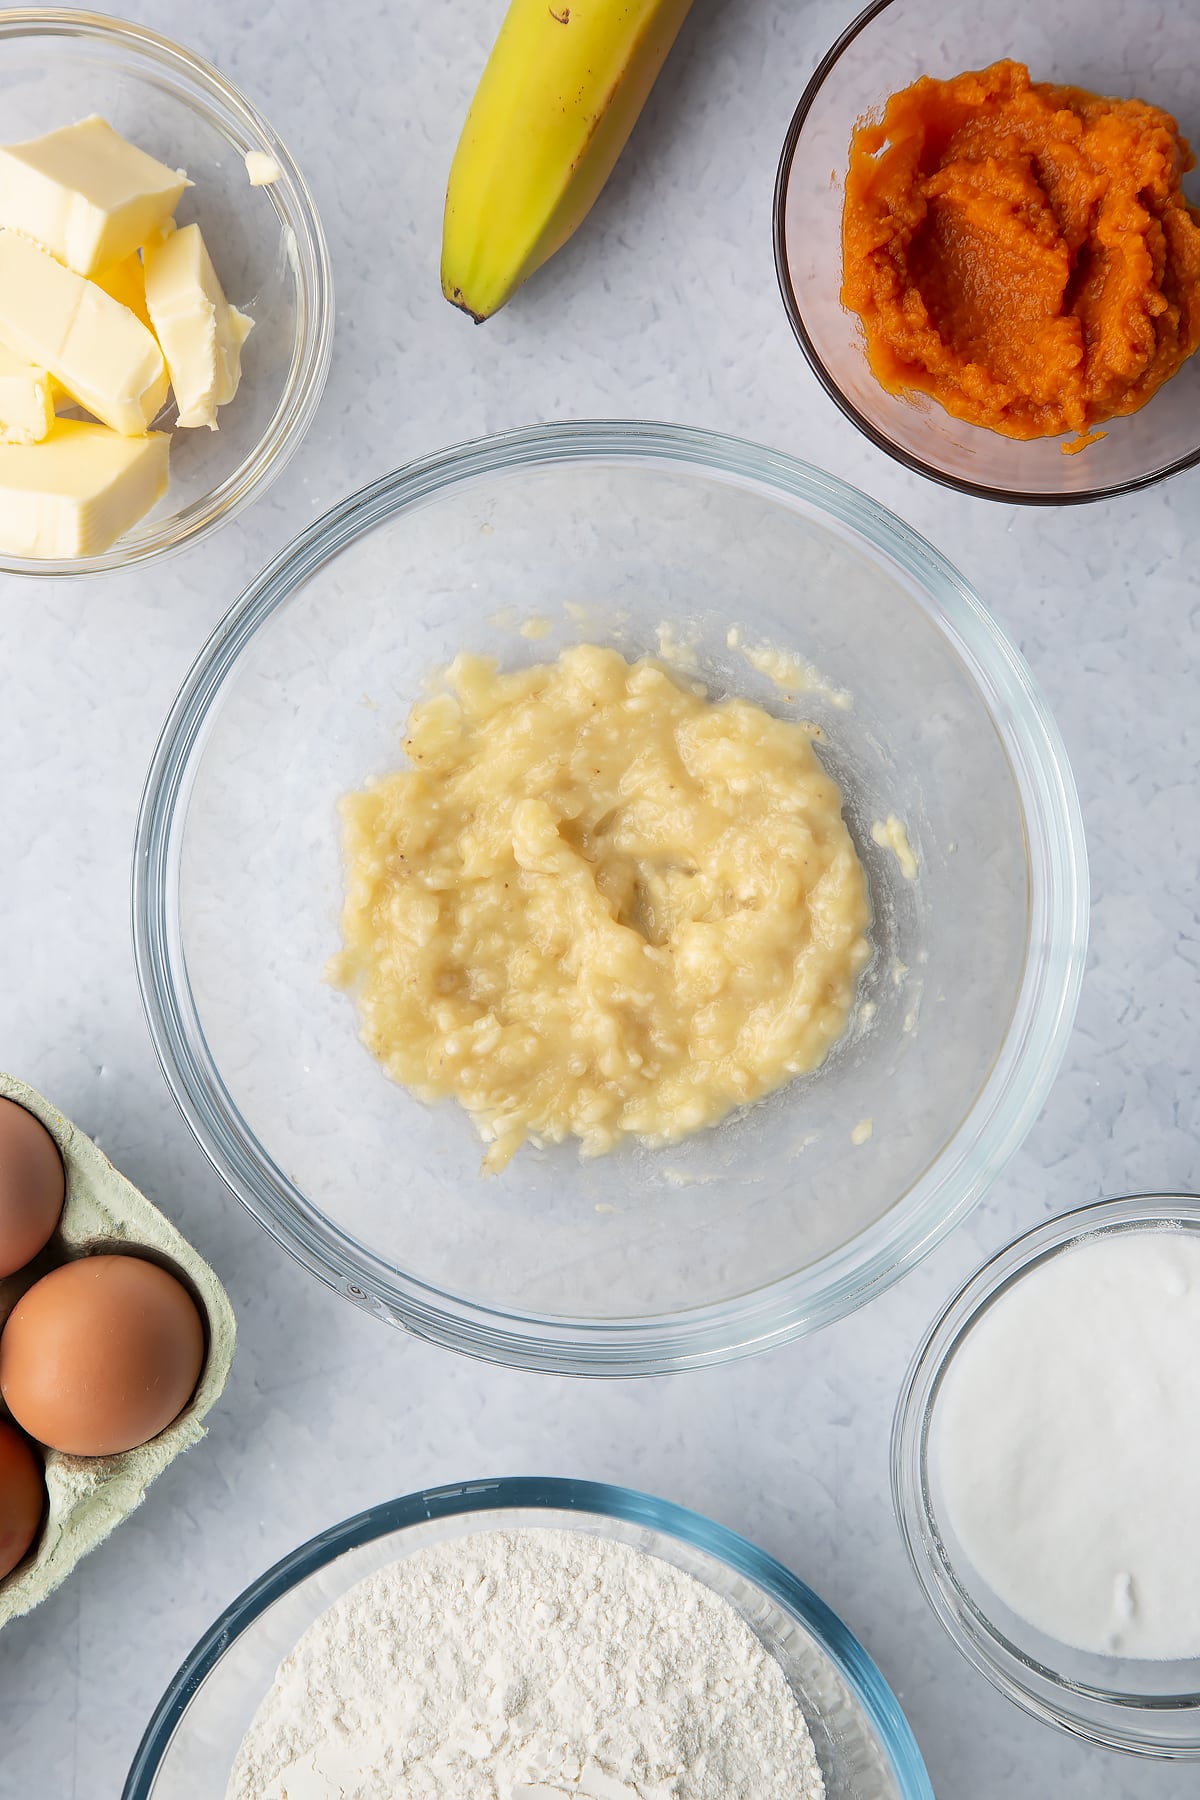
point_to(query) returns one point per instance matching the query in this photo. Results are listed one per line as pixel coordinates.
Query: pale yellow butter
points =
(85, 193)
(200, 333)
(104, 357)
(125, 282)
(78, 490)
(26, 403)
(262, 169)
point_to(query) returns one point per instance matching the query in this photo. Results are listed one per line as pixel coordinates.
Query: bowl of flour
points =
(528, 1640)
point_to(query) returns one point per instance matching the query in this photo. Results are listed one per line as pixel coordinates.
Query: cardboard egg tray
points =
(89, 1495)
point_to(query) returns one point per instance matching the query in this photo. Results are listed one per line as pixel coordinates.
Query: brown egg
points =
(22, 1497)
(32, 1186)
(101, 1355)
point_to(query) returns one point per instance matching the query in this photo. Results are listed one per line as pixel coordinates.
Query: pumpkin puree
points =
(1022, 252)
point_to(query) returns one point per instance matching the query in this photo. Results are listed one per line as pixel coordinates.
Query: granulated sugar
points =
(1064, 1442)
(529, 1665)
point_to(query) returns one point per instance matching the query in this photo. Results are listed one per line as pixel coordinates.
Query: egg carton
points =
(89, 1495)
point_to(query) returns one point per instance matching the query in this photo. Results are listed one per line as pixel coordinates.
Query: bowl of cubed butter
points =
(166, 306)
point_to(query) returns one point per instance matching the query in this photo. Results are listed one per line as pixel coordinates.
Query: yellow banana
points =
(562, 90)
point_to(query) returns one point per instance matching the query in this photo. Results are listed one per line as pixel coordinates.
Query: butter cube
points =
(85, 193)
(262, 169)
(26, 402)
(125, 282)
(78, 490)
(104, 357)
(200, 333)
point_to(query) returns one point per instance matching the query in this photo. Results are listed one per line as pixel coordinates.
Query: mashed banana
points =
(599, 904)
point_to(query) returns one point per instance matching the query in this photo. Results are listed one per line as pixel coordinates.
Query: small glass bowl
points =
(266, 242)
(1094, 44)
(1151, 1708)
(790, 1212)
(862, 1738)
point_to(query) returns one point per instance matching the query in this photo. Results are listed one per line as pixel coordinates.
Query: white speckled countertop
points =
(664, 306)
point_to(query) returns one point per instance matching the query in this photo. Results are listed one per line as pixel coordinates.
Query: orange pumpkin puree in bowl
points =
(1022, 252)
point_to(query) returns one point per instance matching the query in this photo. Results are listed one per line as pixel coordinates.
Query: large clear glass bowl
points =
(862, 1739)
(1103, 45)
(1148, 1708)
(267, 245)
(781, 1218)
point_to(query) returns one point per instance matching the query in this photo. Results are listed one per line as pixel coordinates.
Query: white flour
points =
(529, 1665)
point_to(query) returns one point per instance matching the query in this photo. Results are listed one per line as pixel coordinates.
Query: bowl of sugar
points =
(1046, 1472)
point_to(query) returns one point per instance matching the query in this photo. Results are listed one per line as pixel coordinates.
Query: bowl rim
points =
(592, 1499)
(1009, 1101)
(1113, 1718)
(1013, 496)
(296, 211)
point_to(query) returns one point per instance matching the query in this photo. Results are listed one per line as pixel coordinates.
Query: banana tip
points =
(456, 297)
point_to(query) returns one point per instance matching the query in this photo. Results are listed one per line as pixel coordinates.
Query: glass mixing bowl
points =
(1152, 1708)
(1102, 45)
(57, 66)
(862, 1739)
(795, 1210)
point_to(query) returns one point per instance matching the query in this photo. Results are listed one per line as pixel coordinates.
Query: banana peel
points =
(562, 90)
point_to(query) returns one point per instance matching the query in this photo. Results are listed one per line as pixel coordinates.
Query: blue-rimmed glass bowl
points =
(863, 1741)
(791, 1212)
